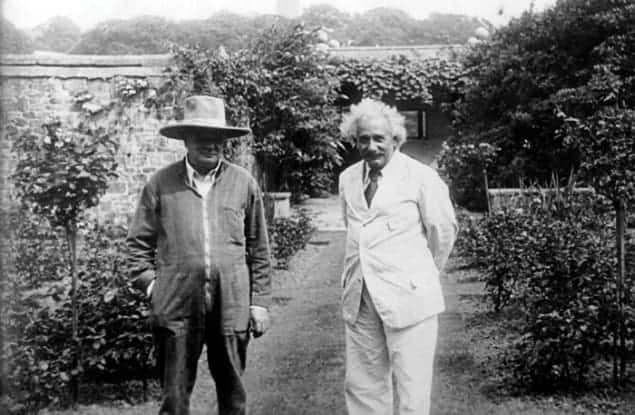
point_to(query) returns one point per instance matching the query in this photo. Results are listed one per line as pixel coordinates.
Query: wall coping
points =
(62, 59)
(516, 190)
(64, 66)
(60, 65)
(435, 47)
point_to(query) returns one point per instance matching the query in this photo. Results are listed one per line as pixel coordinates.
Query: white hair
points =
(372, 109)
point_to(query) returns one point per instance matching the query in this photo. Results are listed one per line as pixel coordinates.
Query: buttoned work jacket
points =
(183, 240)
(399, 244)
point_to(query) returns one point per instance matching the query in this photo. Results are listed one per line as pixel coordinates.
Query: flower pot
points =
(277, 205)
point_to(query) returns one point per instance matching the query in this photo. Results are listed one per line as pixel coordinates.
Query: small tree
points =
(61, 172)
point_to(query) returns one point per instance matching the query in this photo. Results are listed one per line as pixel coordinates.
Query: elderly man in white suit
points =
(400, 230)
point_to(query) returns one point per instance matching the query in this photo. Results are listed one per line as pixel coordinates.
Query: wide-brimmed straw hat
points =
(206, 114)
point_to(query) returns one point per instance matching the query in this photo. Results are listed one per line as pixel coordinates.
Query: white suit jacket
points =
(399, 245)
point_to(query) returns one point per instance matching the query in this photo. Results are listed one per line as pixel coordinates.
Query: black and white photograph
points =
(308, 207)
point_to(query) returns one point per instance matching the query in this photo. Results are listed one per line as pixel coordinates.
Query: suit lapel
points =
(356, 185)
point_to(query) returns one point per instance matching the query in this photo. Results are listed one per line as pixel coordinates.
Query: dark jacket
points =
(166, 242)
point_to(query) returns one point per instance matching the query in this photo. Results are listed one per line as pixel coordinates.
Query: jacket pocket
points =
(233, 223)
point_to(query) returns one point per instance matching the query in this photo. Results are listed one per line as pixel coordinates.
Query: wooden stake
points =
(489, 204)
(620, 220)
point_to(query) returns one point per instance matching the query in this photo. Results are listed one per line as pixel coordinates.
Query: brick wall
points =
(37, 88)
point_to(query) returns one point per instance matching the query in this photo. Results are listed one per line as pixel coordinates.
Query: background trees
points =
(13, 39)
(153, 34)
(58, 34)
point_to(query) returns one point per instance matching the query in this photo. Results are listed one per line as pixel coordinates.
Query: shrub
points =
(568, 300)
(289, 235)
(468, 241)
(114, 343)
(464, 166)
(554, 262)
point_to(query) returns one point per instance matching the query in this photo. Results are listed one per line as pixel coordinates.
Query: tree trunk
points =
(71, 238)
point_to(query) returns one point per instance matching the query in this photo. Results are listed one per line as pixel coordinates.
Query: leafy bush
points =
(568, 301)
(289, 235)
(573, 58)
(468, 241)
(555, 263)
(114, 343)
(464, 166)
(36, 252)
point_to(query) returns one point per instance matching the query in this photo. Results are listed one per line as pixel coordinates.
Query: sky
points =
(86, 13)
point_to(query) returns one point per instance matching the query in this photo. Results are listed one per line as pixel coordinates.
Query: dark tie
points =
(369, 193)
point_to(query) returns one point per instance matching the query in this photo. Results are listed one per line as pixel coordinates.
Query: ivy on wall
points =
(398, 80)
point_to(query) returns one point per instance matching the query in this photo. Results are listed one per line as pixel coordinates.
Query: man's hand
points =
(259, 320)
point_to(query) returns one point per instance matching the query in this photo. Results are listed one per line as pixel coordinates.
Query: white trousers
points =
(375, 352)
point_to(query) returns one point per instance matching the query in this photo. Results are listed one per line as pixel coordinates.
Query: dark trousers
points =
(177, 359)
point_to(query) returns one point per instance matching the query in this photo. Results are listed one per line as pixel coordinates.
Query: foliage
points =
(139, 35)
(35, 253)
(537, 66)
(289, 235)
(384, 79)
(283, 89)
(606, 142)
(14, 40)
(468, 241)
(554, 263)
(39, 349)
(465, 167)
(329, 17)
(380, 26)
(390, 26)
(63, 171)
(58, 34)
(569, 305)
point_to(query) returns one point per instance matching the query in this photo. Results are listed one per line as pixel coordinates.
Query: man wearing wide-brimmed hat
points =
(198, 247)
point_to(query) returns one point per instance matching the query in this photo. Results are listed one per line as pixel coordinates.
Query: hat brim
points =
(179, 130)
